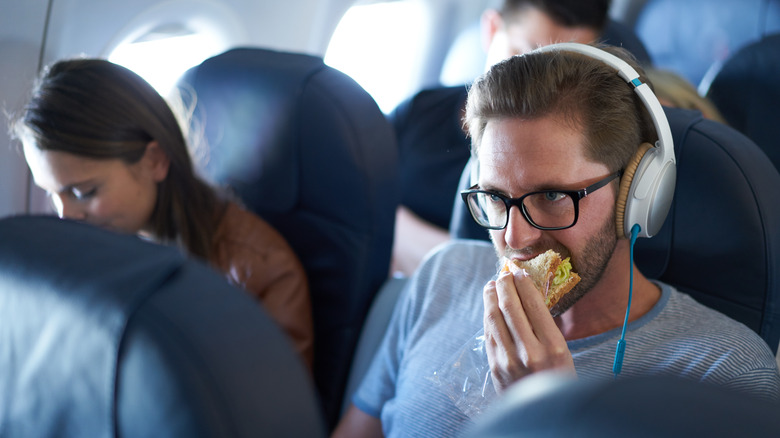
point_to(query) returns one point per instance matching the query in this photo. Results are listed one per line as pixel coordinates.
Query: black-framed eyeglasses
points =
(545, 209)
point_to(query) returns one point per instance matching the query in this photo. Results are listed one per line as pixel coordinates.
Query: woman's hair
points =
(674, 90)
(581, 91)
(100, 110)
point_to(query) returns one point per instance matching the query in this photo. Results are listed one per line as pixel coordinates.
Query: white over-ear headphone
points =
(647, 185)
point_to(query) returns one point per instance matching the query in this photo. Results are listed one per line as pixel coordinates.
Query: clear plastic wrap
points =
(465, 377)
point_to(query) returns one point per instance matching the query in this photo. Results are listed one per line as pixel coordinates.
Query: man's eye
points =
(554, 196)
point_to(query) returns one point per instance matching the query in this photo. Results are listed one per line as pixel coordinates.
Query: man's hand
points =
(521, 337)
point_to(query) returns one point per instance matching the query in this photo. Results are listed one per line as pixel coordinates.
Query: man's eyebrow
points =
(557, 187)
(538, 188)
(491, 188)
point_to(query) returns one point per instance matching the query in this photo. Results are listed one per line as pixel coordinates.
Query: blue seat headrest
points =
(308, 150)
(690, 37)
(746, 90)
(651, 406)
(108, 335)
(618, 34)
(721, 241)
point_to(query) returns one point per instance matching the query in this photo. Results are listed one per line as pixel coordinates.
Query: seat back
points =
(689, 37)
(307, 149)
(747, 93)
(108, 335)
(720, 242)
(618, 34)
(651, 406)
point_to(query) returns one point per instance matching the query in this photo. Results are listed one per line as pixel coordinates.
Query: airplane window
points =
(379, 46)
(161, 57)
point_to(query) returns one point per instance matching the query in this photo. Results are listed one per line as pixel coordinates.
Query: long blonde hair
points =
(674, 90)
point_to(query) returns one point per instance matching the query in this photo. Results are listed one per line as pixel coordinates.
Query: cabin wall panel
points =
(22, 24)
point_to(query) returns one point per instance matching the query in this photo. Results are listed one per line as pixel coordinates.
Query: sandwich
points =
(551, 275)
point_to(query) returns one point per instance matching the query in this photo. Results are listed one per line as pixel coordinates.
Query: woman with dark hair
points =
(109, 151)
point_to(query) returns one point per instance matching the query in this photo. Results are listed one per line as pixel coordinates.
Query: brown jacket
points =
(255, 257)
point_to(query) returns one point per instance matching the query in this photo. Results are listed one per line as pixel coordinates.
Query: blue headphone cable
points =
(621, 345)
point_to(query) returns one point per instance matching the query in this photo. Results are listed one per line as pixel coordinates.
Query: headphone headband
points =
(625, 71)
(650, 188)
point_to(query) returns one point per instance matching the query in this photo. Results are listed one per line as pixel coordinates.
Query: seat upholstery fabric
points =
(720, 242)
(307, 149)
(644, 407)
(747, 92)
(618, 34)
(107, 335)
(691, 36)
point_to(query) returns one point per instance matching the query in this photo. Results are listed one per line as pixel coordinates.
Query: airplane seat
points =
(371, 336)
(690, 37)
(747, 93)
(307, 149)
(105, 334)
(618, 34)
(643, 407)
(720, 242)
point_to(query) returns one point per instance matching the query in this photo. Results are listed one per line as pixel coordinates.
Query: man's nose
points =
(519, 232)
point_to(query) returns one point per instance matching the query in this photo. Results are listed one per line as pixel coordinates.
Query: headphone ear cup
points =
(625, 186)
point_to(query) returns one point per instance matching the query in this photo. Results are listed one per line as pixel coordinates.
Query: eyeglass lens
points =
(544, 209)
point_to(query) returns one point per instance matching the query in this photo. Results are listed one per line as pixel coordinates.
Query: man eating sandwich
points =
(554, 134)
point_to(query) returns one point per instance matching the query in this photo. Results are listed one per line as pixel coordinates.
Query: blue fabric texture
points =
(104, 334)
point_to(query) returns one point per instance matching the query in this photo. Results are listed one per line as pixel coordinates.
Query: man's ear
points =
(156, 161)
(490, 23)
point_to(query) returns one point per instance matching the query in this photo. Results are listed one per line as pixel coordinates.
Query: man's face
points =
(530, 28)
(520, 156)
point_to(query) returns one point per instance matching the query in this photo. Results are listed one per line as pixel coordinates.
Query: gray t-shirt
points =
(441, 311)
